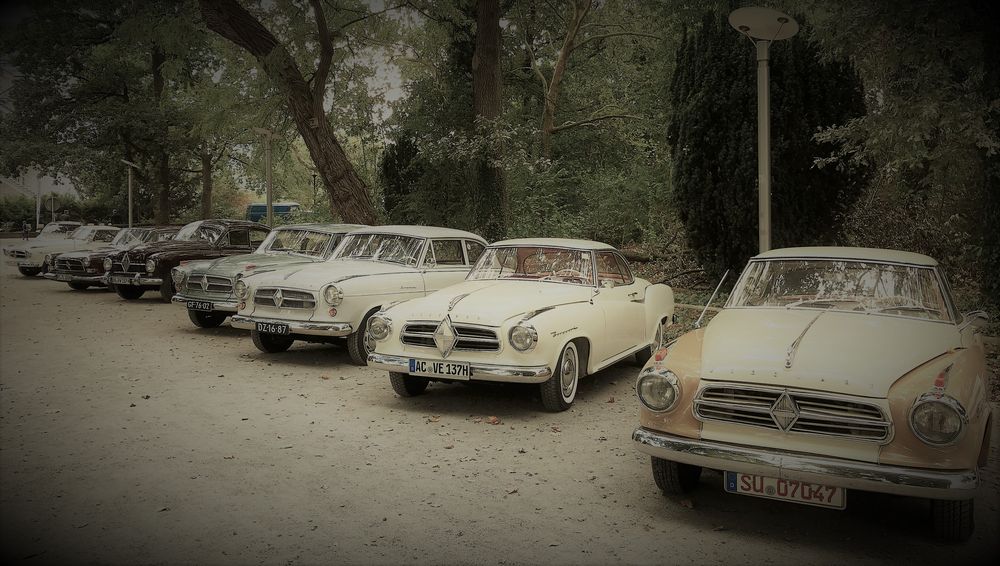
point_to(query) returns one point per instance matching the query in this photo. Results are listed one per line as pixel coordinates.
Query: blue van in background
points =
(257, 212)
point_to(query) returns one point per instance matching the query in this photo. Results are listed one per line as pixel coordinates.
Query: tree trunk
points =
(580, 10)
(492, 206)
(162, 158)
(206, 184)
(347, 191)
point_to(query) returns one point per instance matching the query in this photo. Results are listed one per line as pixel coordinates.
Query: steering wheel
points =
(565, 274)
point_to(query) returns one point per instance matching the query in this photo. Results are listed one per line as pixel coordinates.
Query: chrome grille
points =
(815, 413)
(471, 338)
(280, 297)
(18, 253)
(213, 284)
(135, 265)
(72, 265)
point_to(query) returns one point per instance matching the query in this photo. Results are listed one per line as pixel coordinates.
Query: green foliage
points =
(713, 138)
(17, 209)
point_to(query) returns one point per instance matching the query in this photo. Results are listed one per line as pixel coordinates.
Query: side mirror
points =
(430, 262)
(594, 294)
(977, 319)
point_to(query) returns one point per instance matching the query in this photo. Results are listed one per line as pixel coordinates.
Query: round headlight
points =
(86, 261)
(180, 278)
(658, 389)
(333, 295)
(241, 289)
(937, 420)
(107, 264)
(150, 265)
(48, 259)
(379, 327)
(523, 337)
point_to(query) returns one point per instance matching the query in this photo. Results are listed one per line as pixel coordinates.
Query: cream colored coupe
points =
(829, 369)
(331, 300)
(540, 310)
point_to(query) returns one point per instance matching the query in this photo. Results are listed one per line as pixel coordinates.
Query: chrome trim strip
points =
(480, 372)
(849, 474)
(295, 326)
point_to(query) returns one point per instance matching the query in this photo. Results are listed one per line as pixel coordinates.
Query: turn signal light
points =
(660, 354)
(333, 312)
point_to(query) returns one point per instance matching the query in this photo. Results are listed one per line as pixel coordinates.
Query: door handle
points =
(633, 294)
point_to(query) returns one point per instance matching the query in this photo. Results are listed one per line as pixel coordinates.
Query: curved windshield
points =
(392, 248)
(53, 228)
(83, 233)
(559, 265)
(300, 241)
(855, 286)
(196, 231)
(128, 236)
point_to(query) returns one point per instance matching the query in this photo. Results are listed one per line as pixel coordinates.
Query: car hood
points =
(55, 245)
(491, 302)
(315, 275)
(841, 352)
(143, 251)
(97, 252)
(238, 263)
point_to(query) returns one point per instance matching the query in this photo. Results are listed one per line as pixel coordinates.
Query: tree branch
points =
(592, 121)
(616, 34)
(325, 58)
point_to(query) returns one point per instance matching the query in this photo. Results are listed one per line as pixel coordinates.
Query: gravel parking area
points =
(129, 436)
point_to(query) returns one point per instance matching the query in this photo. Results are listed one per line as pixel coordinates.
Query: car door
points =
(619, 298)
(445, 264)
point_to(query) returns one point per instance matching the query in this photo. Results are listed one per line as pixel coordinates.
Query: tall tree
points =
(347, 191)
(492, 206)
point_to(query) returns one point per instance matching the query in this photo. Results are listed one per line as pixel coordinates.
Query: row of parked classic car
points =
(828, 369)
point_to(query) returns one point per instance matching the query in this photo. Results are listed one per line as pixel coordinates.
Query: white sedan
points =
(540, 310)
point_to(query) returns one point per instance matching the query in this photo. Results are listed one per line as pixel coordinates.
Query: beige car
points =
(829, 369)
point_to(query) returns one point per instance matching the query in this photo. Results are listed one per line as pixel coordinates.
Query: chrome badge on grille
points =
(445, 337)
(785, 412)
(125, 262)
(278, 298)
(204, 282)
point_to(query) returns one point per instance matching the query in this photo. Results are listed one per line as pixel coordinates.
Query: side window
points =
(257, 236)
(473, 250)
(239, 238)
(448, 252)
(609, 273)
(624, 269)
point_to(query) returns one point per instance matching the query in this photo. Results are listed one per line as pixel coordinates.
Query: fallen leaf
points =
(162, 509)
(512, 492)
(556, 429)
(611, 399)
(145, 396)
(449, 446)
(494, 421)
(434, 418)
(687, 503)
(719, 528)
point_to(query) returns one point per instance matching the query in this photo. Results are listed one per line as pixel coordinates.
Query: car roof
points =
(229, 223)
(420, 232)
(863, 254)
(556, 243)
(100, 227)
(323, 227)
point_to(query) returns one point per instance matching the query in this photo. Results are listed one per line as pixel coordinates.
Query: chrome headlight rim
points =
(241, 289)
(940, 400)
(86, 260)
(663, 374)
(379, 326)
(333, 295)
(107, 264)
(530, 333)
(150, 266)
(180, 278)
(47, 260)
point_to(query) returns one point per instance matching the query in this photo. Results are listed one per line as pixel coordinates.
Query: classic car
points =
(332, 300)
(82, 269)
(828, 369)
(58, 229)
(205, 288)
(539, 310)
(30, 257)
(147, 266)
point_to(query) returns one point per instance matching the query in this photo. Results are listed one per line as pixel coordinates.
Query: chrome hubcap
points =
(567, 376)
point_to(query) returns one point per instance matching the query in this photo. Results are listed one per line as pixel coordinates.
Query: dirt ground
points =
(129, 436)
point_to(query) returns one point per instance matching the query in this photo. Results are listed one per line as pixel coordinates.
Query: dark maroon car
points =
(147, 267)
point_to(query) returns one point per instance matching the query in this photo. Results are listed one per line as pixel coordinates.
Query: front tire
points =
(167, 289)
(29, 271)
(129, 292)
(406, 385)
(271, 343)
(78, 286)
(953, 521)
(674, 478)
(559, 391)
(203, 319)
(359, 344)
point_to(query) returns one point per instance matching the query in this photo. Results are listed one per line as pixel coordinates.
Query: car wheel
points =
(167, 290)
(129, 292)
(78, 286)
(643, 355)
(29, 271)
(206, 319)
(953, 521)
(674, 478)
(406, 385)
(359, 345)
(559, 391)
(271, 343)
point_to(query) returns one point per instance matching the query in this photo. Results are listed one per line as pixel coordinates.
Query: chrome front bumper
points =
(71, 278)
(295, 326)
(480, 372)
(823, 470)
(220, 306)
(21, 262)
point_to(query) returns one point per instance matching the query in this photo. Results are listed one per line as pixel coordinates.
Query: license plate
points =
(63, 277)
(785, 490)
(272, 328)
(204, 306)
(448, 370)
(122, 280)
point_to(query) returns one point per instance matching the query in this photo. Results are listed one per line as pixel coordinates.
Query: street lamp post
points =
(268, 135)
(129, 167)
(762, 26)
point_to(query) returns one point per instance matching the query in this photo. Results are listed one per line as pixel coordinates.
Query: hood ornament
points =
(453, 302)
(790, 355)
(445, 337)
